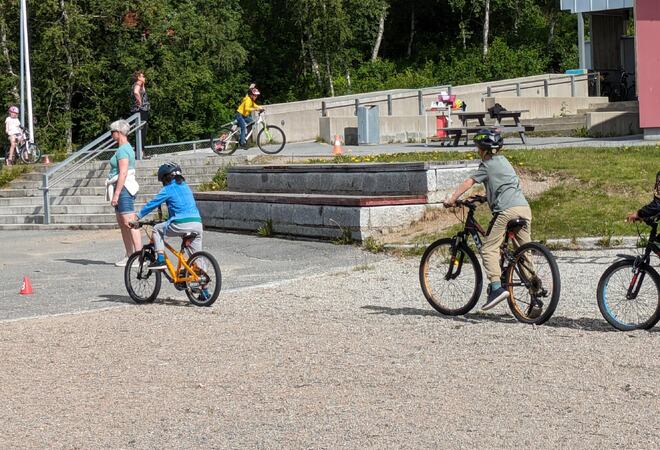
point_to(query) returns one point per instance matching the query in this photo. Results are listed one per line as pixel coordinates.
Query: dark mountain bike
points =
(451, 277)
(629, 290)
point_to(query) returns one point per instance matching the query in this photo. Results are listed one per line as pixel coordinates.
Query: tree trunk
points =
(312, 59)
(379, 36)
(327, 68)
(5, 52)
(412, 30)
(486, 25)
(551, 31)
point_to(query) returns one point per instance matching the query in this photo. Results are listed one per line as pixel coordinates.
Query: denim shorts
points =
(126, 203)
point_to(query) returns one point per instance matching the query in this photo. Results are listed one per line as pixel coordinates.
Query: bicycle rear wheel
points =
(629, 300)
(450, 277)
(271, 139)
(142, 284)
(533, 283)
(205, 291)
(226, 143)
(30, 153)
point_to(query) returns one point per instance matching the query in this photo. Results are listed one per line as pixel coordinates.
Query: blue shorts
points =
(126, 203)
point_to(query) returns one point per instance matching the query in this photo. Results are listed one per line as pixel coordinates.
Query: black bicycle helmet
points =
(489, 140)
(169, 168)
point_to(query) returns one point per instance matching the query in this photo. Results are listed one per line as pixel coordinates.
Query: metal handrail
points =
(546, 83)
(402, 94)
(101, 144)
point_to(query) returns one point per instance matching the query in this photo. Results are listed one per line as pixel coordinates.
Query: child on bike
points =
(184, 216)
(13, 130)
(650, 210)
(244, 111)
(506, 201)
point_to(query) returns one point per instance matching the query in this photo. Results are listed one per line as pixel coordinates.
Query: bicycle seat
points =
(514, 225)
(188, 238)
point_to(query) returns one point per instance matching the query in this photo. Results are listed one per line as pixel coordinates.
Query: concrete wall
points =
(647, 28)
(301, 119)
(541, 107)
(613, 123)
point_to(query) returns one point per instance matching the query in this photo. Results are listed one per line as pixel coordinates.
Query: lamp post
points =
(26, 82)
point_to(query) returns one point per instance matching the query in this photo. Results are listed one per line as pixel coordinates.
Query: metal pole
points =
(546, 88)
(323, 110)
(581, 45)
(22, 98)
(28, 81)
(489, 91)
(389, 104)
(357, 105)
(46, 200)
(597, 74)
(518, 89)
(572, 85)
(138, 138)
(420, 101)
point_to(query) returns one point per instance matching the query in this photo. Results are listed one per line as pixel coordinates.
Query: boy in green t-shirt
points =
(506, 201)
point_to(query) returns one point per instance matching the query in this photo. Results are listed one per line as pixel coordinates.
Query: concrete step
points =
(28, 210)
(61, 219)
(148, 189)
(613, 106)
(65, 200)
(21, 183)
(141, 172)
(184, 161)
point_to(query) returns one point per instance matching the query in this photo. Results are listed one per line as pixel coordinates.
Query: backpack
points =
(495, 110)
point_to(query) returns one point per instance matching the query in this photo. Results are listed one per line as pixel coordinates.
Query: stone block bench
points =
(330, 200)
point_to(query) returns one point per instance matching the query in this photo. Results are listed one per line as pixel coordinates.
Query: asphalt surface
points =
(74, 270)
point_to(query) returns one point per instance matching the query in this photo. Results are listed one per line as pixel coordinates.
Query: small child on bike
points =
(650, 210)
(506, 201)
(244, 111)
(184, 216)
(13, 130)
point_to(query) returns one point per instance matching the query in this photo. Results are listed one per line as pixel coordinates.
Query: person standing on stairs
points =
(122, 187)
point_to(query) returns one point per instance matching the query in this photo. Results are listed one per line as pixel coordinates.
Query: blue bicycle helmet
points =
(489, 140)
(169, 168)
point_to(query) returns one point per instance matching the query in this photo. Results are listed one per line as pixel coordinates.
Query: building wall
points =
(648, 62)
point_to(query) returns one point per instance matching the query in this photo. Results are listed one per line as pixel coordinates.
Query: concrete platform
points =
(329, 201)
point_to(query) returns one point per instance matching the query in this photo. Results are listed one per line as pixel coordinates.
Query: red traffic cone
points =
(27, 286)
(336, 149)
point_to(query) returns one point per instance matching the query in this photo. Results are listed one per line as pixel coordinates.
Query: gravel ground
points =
(355, 358)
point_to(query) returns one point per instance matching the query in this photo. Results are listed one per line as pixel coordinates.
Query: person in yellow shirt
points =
(244, 110)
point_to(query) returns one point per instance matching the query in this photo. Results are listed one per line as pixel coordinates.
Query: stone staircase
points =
(79, 202)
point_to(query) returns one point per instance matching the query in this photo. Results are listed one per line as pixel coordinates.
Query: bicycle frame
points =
(172, 273)
(639, 260)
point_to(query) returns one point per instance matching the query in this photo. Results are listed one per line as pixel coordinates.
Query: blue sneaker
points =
(205, 295)
(495, 296)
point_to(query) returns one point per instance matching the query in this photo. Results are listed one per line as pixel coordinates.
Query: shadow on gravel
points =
(583, 323)
(86, 262)
(126, 299)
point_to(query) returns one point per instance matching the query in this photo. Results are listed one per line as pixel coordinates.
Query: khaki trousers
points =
(490, 252)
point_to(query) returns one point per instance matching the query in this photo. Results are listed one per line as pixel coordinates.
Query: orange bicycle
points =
(198, 274)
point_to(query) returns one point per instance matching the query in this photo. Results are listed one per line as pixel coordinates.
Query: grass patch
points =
(8, 174)
(372, 245)
(598, 187)
(266, 230)
(218, 183)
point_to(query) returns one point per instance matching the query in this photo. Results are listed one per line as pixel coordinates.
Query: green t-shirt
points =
(123, 152)
(502, 184)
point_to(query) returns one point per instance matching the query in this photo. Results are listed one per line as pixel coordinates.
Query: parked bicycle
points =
(26, 151)
(451, 277)
(629, 290)
(198, 274)
(270, 138)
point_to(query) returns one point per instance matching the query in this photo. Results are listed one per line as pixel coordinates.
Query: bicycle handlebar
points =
(140, 223)
(469, 202)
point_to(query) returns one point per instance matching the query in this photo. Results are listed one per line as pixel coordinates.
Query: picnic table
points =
(506, 127)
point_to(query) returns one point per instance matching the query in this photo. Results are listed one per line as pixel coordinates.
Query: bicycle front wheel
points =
(533, 283)
(629, 300)
(30, 153)
(226, 143)
(450, 276)
(271, 139)
(142, 284)
(205, 290)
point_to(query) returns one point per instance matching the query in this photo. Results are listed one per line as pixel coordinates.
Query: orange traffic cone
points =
(27, 286)
(336, 149)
